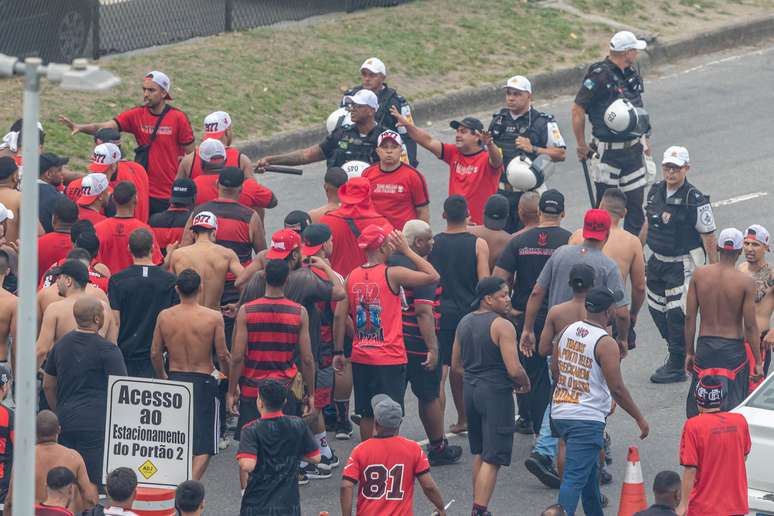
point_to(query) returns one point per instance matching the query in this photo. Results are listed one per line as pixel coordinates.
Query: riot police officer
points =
(680, 231)
(373, 73)
(611, 96)
(519, 130)
(351, 147)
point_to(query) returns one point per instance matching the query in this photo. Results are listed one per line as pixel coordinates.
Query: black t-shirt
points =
(430, 294)
(82, 362)
(47, 199)
(140, 292)
(454, 257)
(278, 442)
(525, 255)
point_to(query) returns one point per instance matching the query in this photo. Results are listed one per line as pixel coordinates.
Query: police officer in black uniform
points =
(352, 146)
(680, 231)
(373, 72)
(620, 152)
(521, 130)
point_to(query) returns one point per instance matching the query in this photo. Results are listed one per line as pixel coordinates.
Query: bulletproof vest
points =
(616, 84)
(532, 125)
(354, 147)
(387, 97)
(672, 222)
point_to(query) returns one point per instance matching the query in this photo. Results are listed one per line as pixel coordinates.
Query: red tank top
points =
(232, 160)
(272, 342)
(376, 312)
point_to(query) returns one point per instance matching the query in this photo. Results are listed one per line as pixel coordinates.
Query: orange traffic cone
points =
(633, 490)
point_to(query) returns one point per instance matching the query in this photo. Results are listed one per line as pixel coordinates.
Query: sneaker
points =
(524, 427)
(223, 442)
(328, 463)
(603, 500)
(232, 422)
(604, 476)
(608, 449)
(449, 454)
(668, 375)
(343, 430)
(313, 471)
(543, 468)
(302, 479)
(356, 418)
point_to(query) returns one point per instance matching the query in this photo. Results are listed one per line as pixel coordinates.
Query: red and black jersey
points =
(52, 247)
(253, 195)
(6, 448)
(410, 298)
(232, 160)
(96, 278)
(273, 325)
(168, 226)
(233, 226)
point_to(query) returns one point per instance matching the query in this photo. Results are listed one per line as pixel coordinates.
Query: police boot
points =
(671, 372)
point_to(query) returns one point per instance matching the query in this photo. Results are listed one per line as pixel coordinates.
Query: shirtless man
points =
(529, 211)
(334, 178)
(188, 332)
(625, 250)
(495, 219)
(59, 319)
(211, 261)
(8, 307)
(727, 318)
(756, 244)
(50, 454)
(10, 196)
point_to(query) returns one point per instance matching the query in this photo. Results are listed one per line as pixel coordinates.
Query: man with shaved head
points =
(76, 379)
(529, 211)
(50, 454)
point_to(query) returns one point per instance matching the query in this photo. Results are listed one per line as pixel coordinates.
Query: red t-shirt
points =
(384, 469)
(253, 195)
(127, 171)
(113, 234)
(52, 247)
(167, 149)
(717, 444)
(396, 195)
(94, 216)
(346, 254)
(377, 313)
(472, 177)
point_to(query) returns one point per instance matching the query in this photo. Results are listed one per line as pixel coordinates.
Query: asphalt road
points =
(716, 107)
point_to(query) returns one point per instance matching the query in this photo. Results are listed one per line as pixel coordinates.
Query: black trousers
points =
(625, 169)
(667, 283)
(532, 405)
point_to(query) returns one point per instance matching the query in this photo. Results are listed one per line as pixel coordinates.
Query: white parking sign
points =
(149, 428)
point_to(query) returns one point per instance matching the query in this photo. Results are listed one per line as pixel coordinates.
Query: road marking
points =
(739, 198)
(424, 442)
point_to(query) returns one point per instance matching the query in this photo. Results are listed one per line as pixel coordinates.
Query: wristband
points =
(338, 352)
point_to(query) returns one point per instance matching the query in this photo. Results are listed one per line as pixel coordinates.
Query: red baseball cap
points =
(355, 191)
(372, 237)
(283, 242)
(596, 224)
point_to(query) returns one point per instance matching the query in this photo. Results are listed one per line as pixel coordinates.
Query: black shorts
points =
(445, 345)
(426, 385)
(206, 411)
(490, 411)
(248, 411)
(370, 380)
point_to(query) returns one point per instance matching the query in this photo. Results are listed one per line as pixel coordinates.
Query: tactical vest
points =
(505, 129)
(672, 222)
(354, 147)
(616, 85)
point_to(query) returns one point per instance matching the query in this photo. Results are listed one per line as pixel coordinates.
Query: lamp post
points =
(82, 77)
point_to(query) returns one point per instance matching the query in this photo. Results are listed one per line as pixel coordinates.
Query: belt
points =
(671, 259)
(617, 145)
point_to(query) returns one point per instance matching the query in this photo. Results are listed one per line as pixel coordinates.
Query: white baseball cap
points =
(375, 65)
(626, 40)
(730, 239)
(519, 82)
(389, 135)
(5, 213)
(212, 150)
(162, 80)
(104, 156)
(363, 98)
(757, 233)
(676, 155)
(216, 124)
(92, 187)
(205, 219)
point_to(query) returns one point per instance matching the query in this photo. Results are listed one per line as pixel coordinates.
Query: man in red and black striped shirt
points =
(269, 334)
(168, 225)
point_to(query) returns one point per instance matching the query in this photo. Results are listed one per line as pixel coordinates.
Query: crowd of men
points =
(159, 267)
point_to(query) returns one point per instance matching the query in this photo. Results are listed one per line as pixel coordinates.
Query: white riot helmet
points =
(524, 174)
(354, 168)
(622, 117)
(338, 118)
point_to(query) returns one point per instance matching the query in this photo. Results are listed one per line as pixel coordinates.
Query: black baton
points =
(284, 170)
(589, 186)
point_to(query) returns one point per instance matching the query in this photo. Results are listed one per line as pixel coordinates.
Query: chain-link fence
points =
(61, 30)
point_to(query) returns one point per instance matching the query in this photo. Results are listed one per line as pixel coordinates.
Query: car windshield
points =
(763, 397)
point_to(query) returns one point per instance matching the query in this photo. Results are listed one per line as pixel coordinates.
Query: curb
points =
(549, 84)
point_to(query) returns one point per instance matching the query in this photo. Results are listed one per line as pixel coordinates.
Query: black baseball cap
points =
(314, 237)
(108, 135)
(496, 211)
(472, 123)
(231, 177)
(75, 269)
(582, 275)
(297, 220)
(552, 201)
(7, 167)
(486, 287)
(599, 299)
(50, 160)
(183, 191)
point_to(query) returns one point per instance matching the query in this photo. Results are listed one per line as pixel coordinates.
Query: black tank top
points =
(481, 358)
(454, 257)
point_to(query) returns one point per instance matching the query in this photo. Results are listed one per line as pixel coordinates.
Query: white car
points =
(758, 409)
